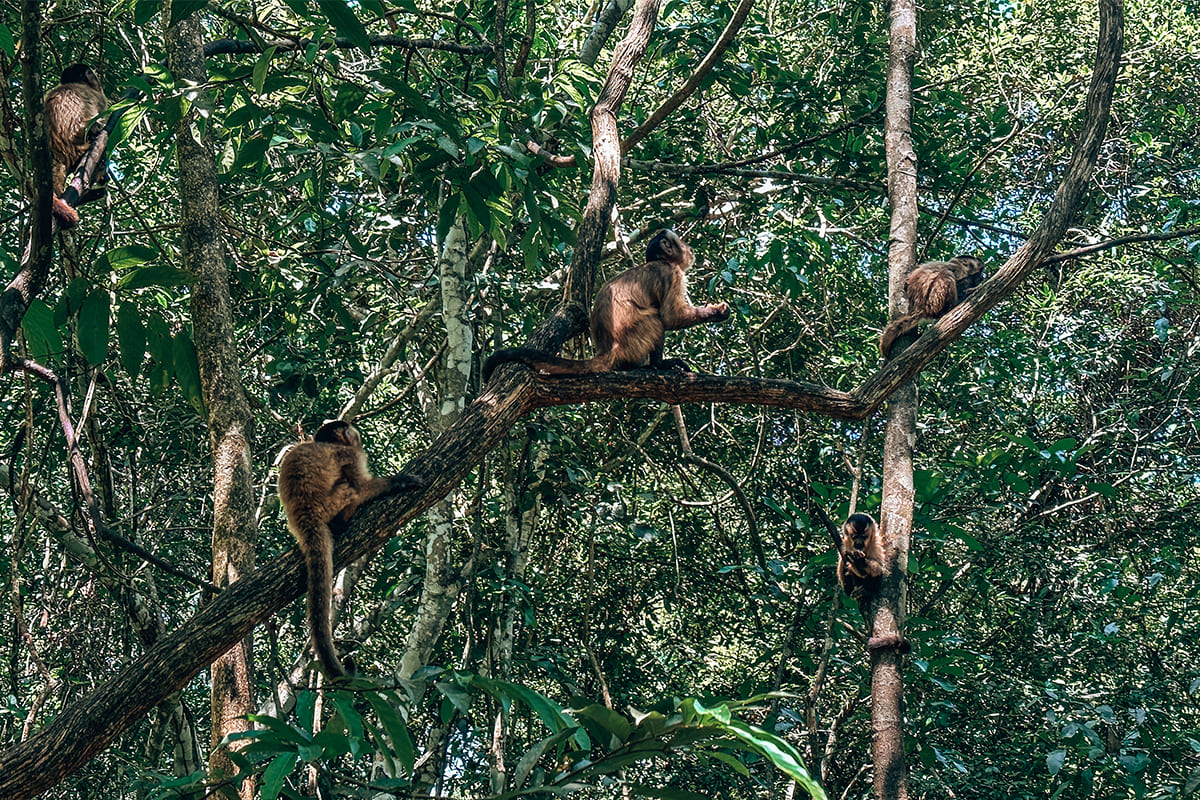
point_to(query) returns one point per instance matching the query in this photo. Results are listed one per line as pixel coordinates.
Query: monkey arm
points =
(677, 312)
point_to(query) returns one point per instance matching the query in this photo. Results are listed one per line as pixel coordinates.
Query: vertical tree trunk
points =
(230, 424)
(443, 580)
(887, 612)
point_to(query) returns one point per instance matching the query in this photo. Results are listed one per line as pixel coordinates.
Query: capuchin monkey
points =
(69, 107)
(933, 288)
(321, 484)
(860, 557)
(859, 572)
(630, 315)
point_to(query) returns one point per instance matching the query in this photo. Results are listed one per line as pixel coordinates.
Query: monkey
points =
(321, 484)
(69, 107)
(630, 315)
(860, 557)
(933, 288)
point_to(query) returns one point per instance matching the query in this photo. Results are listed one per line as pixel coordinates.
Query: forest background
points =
(326, 209)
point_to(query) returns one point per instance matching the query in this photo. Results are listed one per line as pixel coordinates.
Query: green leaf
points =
(401, 742)
(530, 757)
(41, 335)
(92, 333)
(120, 258)
(279, 768)
(131, 336)
(261, 66)
(345, 22)
(1055, 761)
(159, 275)
(187, 370)
(6, 41)
(182, 9)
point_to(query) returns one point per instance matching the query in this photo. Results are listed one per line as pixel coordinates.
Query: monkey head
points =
(338, 431)
(81, 73)
(667, 246)
(859, 528)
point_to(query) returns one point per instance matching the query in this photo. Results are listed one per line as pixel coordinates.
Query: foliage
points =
(1053, 592)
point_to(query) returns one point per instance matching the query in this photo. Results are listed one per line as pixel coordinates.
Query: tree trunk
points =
(230, 424)
(887, 612)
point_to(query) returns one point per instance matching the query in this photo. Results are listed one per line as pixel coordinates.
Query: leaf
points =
(159, 275)
(345, 22)
(182, 9)
(401, 741)
(41, 335)
(261, 66)
(92, 333)
(280, 767)
(120, 258)
(131, 337)
(187, 370)
(6, 41)
(530, 757)
(1055, 761)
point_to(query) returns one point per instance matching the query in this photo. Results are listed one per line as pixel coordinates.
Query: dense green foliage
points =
(1054, 606)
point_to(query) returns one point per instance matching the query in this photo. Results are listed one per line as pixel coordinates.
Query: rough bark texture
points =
(230, 424)
(606, 149)
(887, 610)
(35, 264)
(86, 726)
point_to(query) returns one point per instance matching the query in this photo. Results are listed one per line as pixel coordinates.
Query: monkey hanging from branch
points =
(630, 316)
(933, 288)
(321, 484)
(860, 573)
(69, 108)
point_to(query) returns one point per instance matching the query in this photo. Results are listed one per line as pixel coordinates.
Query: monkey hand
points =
(401, 483)
(719, 311)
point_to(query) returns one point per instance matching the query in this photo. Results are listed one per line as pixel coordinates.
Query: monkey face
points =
(857, 531)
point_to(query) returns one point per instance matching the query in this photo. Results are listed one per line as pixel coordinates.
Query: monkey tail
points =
(319, 559)
(895, 330)
(545, 362)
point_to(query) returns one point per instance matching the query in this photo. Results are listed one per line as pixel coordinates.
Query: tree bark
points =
(230, 423)
(886, 615)
(606, 149)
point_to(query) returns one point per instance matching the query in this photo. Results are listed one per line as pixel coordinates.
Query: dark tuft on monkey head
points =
(667, 246)
(80, 73)
(338, 431)
(858, 527)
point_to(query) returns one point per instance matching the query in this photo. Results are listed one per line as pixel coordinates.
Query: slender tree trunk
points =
(230, 424)
(887, 613)
(443, 580)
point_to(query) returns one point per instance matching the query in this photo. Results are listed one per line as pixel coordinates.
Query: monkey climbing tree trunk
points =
(230, 424)
(887, 610)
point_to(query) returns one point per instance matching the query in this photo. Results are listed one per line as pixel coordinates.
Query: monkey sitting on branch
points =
(321, 484)
(933, 288)
(630, 316)
(69, 108)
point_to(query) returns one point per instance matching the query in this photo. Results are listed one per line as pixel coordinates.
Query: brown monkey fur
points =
(321, 484)
(69, 107)
(630, 315)
(860, 557)
(933, 288)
